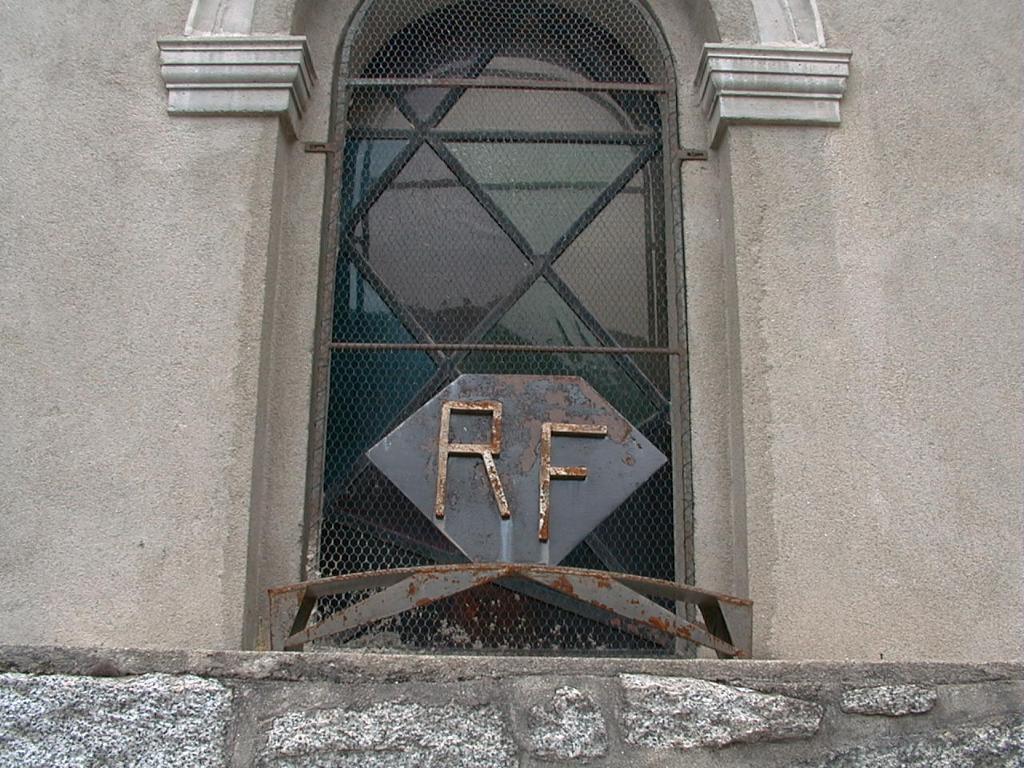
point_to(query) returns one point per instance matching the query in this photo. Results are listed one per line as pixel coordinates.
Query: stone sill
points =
(371, 666)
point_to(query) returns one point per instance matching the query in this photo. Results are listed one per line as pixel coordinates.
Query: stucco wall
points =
(855, 315)
(132, 257)
(880, 308)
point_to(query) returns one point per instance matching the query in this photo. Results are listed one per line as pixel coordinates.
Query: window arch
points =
(498, 206)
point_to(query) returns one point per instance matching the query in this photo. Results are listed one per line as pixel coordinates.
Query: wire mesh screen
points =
(511, 205)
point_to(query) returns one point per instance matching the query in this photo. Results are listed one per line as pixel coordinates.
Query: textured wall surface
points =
(132, 258)
(881, 323)
(378, 711)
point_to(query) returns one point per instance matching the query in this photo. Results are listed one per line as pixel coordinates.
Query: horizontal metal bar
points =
(349, 346)
(524, 186)
(638, 138)
(495, 82)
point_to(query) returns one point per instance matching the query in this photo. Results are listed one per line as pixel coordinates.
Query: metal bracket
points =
(685, 154)
(322, 147)
(628, 600)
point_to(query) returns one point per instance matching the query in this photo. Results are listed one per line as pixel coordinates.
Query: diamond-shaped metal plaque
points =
(468, 509)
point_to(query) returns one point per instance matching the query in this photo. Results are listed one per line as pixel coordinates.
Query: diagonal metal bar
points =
(402, 106)
(614, 593)
(613, 597)
(617, 185)
(417, 591)
(626, 362)
(485, 200)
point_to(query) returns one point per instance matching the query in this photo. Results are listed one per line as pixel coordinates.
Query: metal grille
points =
(500, 209)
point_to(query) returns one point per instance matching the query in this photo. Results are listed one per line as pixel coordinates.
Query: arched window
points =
(499, 206)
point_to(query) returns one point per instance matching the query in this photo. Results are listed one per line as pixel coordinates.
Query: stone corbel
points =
(238, 75)
(770, 85)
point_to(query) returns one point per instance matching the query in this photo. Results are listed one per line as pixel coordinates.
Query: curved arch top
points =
(776, 21)
(788, 22)
(764, 60)
(392, 33)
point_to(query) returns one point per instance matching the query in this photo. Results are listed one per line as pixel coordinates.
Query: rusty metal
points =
(502, 83)
(510, 348)
(446, 448)
(549, 472)
(532, 409)
(627, 598)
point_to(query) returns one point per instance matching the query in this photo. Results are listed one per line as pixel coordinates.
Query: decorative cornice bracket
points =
(238, 75)
(770, 85)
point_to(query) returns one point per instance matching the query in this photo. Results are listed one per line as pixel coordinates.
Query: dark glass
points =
(361, 315)
(425, 101)
(365, 162)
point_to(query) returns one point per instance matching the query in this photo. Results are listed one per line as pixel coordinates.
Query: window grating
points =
(500, 209)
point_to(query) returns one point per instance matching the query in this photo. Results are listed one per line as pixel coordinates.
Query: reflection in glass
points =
(483, 109)
(438, 250)
(365, 162)
(541, 317)
(543, 188)
(356, 376)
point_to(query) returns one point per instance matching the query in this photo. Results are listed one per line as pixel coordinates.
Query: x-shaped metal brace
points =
(726, 628)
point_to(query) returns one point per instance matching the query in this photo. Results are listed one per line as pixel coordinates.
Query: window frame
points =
(674, 281)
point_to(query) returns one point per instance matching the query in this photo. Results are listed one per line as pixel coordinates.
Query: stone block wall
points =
(61, 707)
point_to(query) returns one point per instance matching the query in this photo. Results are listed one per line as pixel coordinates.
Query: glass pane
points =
(520, 68)
(438, 250)
(368, 388)
(541, 317)
(543, 188)
(616, 268)
(375, 108)
(365, 162)
(423, 101)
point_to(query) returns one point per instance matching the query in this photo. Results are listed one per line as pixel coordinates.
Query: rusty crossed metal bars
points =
(726, 628)
(623, 601)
